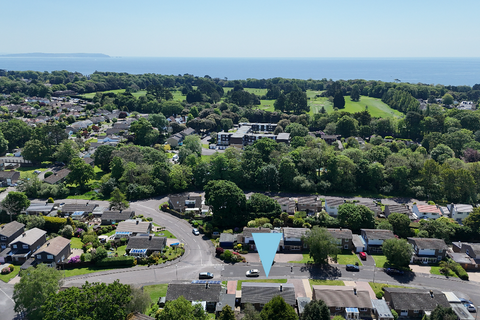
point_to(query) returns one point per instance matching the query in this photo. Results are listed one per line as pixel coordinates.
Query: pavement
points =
(279, 257)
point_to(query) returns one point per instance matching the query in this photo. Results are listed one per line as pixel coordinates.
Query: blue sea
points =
(446, 71)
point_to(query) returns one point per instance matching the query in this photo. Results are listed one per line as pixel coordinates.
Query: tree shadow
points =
(322, 271)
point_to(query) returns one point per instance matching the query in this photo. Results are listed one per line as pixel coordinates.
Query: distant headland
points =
(55, 55)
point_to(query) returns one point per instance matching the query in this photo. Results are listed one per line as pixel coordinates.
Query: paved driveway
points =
(420, 269)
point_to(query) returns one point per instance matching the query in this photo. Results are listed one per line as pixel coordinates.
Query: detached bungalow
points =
(414, 303)
(57, 177)
(347, 301)
(258, 294)
(130, 228)
(209, 293)
(145, 245)
(112, 217)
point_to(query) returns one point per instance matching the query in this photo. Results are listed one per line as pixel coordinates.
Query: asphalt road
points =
(199, 257)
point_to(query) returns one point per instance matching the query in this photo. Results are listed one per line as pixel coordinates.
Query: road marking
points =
(7, 295)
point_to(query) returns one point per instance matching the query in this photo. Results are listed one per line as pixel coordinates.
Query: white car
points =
(195, 232)
(470, 307)
(252, 273)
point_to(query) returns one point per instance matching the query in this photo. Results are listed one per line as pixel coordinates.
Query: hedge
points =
(117, 262)
(54, 224)
(461, 273)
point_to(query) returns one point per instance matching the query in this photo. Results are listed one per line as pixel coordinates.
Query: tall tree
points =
(15, 202)
(81, 172)
(401, 224)
(66, 151)
(35, 151)
(181, 309)
(322, 245)
(118, 200)
(277, 308)
(36, 287)
(355, 94)
(103, 156)
(93, 301)
(228, 203)
(356, 217)
(339, 100)
(398, 251)
(316, 310)
(145, 134)
(226, 313)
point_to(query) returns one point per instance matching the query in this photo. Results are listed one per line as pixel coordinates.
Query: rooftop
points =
(342, 296)
(341, 233)
(54, 246)
(9, 229)
(429, 243)
(428, 209)
(378, 234)
(30, 236)
(416, 299)
(259, 292)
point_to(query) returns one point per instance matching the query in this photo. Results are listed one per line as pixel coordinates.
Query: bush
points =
(50, 200)
(461, 273)
(54, 224)
(99, 254)
(6, 270)
(48, 174)
(117, 262)
(219, 251)
(379, 295)
(66, 232)
(75, 259)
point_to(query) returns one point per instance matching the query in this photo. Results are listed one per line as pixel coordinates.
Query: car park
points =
(252, 273)
(205, 275)
(393, 271)
(352, 267)
(363, 256)
(195, 231)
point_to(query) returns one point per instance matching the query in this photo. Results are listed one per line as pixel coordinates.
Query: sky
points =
(247, 28)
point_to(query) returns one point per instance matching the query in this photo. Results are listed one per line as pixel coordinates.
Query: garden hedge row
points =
(117, 262)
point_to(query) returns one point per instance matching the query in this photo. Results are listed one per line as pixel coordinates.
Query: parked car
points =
(363, 256)
(352, 267)
(463, 300)
(252, 273)
(470, 307)
(195, 231)
(205, 275)
(393, 271)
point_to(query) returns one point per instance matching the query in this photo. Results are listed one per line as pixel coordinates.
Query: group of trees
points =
(37, 294)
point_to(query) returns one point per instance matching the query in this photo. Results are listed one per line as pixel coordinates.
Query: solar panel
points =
(201, 281)
(195, 281)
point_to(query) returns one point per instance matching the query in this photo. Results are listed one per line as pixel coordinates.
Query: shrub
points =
(219, 251)
(117, 262)
(76, 259)
(82, 257)
(6, 270)
(54, 224)
(461, 273)
(50, 200)
(48, 174)
(379, 295)
(66, 232)
(99, 254)
(12, 267)
(227, 255)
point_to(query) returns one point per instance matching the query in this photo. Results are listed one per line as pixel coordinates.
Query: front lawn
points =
(436, 270)
(26, 172)
(379, 260)
(348, 257)
(7, 277)
(377, 287)
(317, 282)
(156, 291)
(239, 283)
(306, 259)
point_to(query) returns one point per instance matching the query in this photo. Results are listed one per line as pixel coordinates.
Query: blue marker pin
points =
(267, 244)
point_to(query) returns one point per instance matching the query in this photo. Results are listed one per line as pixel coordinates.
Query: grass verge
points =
(317, 282)
(436, 270)
(306, 259)
(379, 260)
(239, 283)
(377, 287)
(348, 258)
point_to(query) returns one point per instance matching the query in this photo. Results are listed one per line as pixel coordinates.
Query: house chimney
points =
(281, 288)
(137, 221)
(48, 243)
(355, 291)
(431, 293)
(24, 234)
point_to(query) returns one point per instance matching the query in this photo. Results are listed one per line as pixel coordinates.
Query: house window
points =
(338, 308)
(262, 305)
(4, 238)
(345, 246)
(404, 312)
(416, 311)
(15, 246)
(466, 251)
(49, 257)
(25, 246)
(440, 251)
(363, 309)
(3, 246)
(39, 256)
(295, 248)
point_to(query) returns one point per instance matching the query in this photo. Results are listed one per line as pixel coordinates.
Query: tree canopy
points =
(321, 245)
